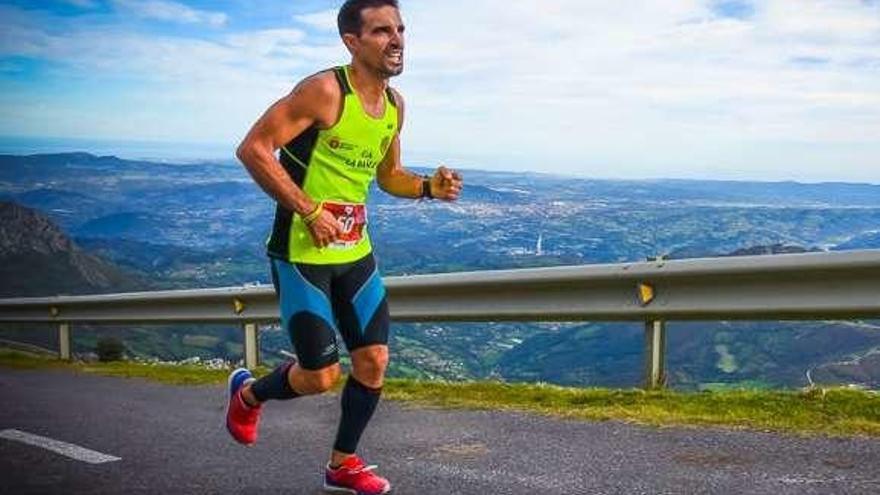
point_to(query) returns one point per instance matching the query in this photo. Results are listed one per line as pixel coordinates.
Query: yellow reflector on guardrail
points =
(646, 293)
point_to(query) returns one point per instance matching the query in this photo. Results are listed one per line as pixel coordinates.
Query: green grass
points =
(174, 375)
(835, 411)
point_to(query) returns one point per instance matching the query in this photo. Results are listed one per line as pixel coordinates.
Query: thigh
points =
(306, 313)
(359, 301)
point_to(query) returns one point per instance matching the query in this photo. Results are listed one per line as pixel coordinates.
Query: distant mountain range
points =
(136, 223)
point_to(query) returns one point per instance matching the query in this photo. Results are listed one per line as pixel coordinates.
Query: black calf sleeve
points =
(275, 385)
(358, 404)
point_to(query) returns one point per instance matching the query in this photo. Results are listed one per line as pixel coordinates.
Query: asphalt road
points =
(172, 440)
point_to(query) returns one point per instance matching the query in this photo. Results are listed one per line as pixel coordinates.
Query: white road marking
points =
(67, 449)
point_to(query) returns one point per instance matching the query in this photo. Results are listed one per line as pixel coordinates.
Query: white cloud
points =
(824, 21)
(644, 88)
(659, 85)
(324, 20)
(164, 10)
(185, 88)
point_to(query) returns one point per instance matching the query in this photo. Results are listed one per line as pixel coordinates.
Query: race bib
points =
(353, 218)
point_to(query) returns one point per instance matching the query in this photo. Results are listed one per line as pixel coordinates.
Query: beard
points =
(392, 71)
(391, 63)
(388, 69)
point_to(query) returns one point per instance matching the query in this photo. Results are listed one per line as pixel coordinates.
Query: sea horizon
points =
(159, 151)
(195, 153)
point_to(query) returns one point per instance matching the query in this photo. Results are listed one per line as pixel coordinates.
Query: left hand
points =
(446, 184)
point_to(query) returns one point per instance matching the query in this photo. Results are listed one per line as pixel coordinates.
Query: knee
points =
(369, 365)
(317, 382)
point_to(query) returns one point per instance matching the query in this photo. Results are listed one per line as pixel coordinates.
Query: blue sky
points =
(723, 89)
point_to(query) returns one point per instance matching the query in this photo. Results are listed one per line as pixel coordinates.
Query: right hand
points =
(325, 229)
(446, 184)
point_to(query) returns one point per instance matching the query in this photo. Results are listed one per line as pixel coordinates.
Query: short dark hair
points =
(349, 19)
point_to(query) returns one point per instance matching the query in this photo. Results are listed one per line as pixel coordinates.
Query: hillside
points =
(187, 226)
(38, 259)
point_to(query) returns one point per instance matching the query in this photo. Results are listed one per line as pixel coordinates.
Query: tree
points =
(110, 349)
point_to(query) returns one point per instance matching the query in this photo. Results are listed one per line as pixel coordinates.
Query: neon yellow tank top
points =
(335, 166)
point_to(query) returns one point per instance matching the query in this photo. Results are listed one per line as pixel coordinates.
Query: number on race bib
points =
(352, 218)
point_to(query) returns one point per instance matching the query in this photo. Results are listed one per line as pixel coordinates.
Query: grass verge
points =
(835, 411)
(163, 373)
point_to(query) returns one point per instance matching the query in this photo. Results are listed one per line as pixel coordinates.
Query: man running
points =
(336, 131)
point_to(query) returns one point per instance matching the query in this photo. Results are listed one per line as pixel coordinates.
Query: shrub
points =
(110, 349)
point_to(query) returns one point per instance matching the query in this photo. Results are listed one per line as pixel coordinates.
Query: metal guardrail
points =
(811, 286)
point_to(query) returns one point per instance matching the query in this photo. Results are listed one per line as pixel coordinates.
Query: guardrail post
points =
(251, 345)
(64, 341)
(655, 354)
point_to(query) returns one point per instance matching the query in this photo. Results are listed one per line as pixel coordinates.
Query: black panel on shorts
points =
(313, 340)
(343, 290)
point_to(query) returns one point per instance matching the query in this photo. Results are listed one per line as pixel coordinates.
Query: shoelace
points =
(248, 412)
(362, 469)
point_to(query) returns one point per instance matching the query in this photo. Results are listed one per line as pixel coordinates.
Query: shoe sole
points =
(349, 491)
(229, 401)
(334, 489)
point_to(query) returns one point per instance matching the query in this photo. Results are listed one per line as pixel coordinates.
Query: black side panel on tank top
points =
(339, 72)
(301, 147)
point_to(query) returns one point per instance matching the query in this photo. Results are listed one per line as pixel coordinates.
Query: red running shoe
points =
(356, 478)
(242, 420)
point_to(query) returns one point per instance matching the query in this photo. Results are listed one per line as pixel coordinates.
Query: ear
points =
(350, 41)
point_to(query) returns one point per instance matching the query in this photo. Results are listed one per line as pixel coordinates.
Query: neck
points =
(367, 81)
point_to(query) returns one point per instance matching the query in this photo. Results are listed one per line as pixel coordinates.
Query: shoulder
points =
(321, 86)
(317, 97)
(397, 96)
(398, 102)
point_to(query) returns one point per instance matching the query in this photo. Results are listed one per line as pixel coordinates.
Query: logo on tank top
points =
(337, 144)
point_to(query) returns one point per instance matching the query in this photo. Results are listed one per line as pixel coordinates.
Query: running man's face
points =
(380, 43)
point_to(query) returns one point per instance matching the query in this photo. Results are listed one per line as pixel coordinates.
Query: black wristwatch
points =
(426, 187)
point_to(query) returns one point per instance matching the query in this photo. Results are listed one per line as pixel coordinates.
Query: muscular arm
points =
(311, 102)
(394, 179)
